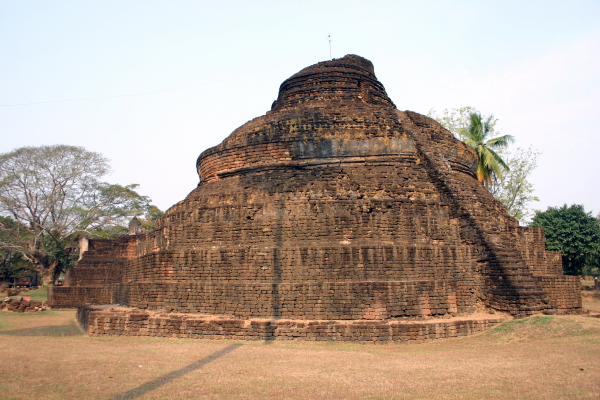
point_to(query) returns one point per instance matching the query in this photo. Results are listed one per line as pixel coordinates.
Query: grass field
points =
(44, 356)
(39, 294)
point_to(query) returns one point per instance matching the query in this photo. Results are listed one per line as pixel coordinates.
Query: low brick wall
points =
(106, 320)
(74, 296)
(563, 292)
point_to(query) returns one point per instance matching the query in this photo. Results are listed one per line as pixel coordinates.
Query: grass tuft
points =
(508, 326)
(541, 320)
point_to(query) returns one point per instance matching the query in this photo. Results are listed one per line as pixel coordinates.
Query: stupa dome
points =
(347, 80)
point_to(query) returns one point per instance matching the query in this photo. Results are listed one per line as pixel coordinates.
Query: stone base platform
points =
(113, 320)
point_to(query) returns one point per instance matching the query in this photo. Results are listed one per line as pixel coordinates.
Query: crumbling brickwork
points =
(21, 305)
(333, 210)
(89, 282)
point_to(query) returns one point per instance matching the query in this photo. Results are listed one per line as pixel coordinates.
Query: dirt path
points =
(44, 356)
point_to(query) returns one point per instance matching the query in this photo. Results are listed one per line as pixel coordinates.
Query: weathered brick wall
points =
(333, 206)
(532, 244)
(103, 262)
(122, 247)
(316, 300)
(484, 222)
(97, 272)
(88, 281)
(299, 264)
(564, 292)
(74, 296)
(270, 253)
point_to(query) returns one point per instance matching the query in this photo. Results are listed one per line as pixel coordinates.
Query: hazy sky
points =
(153, 84)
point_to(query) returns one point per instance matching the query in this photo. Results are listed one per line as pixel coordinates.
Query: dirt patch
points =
(591, 301)
(547, 357)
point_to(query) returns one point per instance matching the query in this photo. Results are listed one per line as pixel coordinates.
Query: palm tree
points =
(477, 135)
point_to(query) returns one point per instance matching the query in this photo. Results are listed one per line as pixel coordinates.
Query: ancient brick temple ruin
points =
(335, 216)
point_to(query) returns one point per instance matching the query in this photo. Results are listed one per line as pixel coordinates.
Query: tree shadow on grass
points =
(163, 380)
(50, 330)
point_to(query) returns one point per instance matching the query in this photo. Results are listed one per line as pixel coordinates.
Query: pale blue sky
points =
(152, 84)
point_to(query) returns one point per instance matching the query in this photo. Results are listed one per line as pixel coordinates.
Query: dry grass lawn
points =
(44, 356)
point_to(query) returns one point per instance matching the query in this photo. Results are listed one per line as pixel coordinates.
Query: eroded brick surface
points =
(333, 206)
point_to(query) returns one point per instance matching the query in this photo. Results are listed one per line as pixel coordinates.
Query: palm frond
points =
(489, 164)
(499, 160)
(500, 141)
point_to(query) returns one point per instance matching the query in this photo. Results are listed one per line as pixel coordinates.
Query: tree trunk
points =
(47, 278)
(56, 275)
(47, 271)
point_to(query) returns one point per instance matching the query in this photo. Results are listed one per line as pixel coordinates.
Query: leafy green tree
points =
(12, 262)
(56, 194)
(148, 222)
(573, 232)
(592, 267)
(514, 190)
(478, 135)
(14, 266)
(152, 215)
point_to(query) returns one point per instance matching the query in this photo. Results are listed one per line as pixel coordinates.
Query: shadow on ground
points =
(49, 330)
(162, 380)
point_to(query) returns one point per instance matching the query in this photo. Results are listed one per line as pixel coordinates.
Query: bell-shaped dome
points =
(348, 79)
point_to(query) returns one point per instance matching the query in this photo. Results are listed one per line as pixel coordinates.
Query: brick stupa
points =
(335, 216)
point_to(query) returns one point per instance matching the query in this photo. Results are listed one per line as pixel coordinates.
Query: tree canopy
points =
(511, 187)
(572, 231)
(12, 263)
(514, 189)
(457, 119)
(54, 194)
